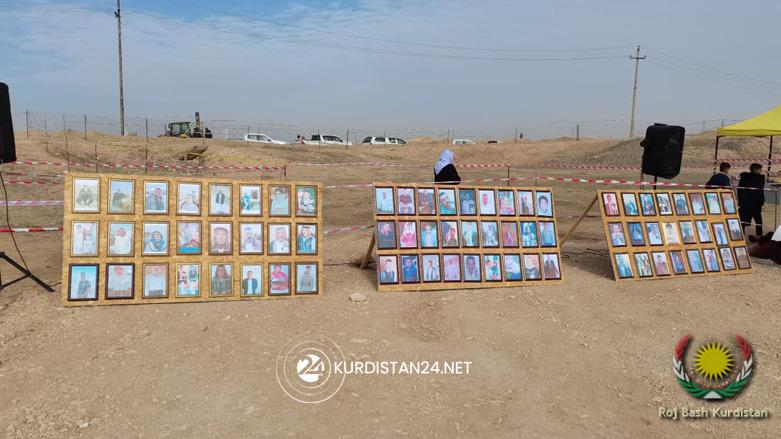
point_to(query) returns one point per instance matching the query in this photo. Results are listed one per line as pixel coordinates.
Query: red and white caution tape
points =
(31, 203)
(34, 182)
(589, 167)
(347, 229)
(31, 229)
(402, 165)
(153, 165)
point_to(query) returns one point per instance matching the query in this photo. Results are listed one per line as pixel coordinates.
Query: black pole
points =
(770, 158)
(716, 154)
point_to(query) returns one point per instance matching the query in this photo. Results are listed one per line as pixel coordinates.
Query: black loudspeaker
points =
(663, 150)
(7, 144)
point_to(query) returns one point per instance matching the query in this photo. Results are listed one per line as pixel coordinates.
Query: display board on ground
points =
(661, 234)
(148, 239)
(434, 237)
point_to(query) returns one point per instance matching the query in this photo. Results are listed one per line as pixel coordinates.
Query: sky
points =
(481, 68)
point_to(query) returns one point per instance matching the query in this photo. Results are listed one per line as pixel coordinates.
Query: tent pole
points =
(770, 158)
(716, 155)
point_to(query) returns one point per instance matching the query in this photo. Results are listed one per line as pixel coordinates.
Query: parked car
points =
(322, 139)
(463, 142)
(262, 138)
(383, 141)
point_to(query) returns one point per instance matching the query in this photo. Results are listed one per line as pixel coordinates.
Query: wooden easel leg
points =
(577, 223)
(368, 257)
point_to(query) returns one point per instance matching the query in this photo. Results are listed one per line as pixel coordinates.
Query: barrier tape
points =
(35, 182)
(31, 203)
(31, 229)
(347, 229)
(153, 165)
(402, 165)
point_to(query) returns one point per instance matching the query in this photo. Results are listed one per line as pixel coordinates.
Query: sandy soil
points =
(590, 357)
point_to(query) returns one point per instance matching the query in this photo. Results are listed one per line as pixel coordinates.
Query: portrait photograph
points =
(506, 203)
(155, 280)
(486, 202)
(386, 234)
(712, 201)
(728, 200)
(617, 237)
(687, 232)
(547, 234)
(703, 231)
(251, 280)
(469, 234)
(306, 201)
(306, 239)
(220, 199)
(544, 204)
(681, 205)
(406, 200)
(426, 204)
(120, 196)
(695, 261)
(643, 264)
(611, 204)
(250, 200)
(531, 267)
(550, 266)
(510, 234)
(711, 261)
(467, 201)
(671, 234)
(83, 282)
(492, 268)
(735, 229)
(727, 260)
(472, 270)
(86, 195)
(742, 258)
(188, 238)
(623, 266)
(251, 238)
(525, 203)
(120, 239)
(449, 233)
(512, 268)
(429, 234)
(279, 279)
(408, 234)
(447, 201)
(119, 281)
(647, 206)
(156, 197)
(676, 257)
(431, 268)
(489, 232)
(720, 234)
(410, 273)
(529, 234)
(383, 199)
(697, 203)
(221, 279)
(188, 198)
(451, 268)
(654, 233)
(306, 278)
(280, 202)
(220, 238)
(661, 267)
(188, 280)
(155, 239)
(636, 235)
(387, 269)
(84, 238)
(663, 201)
(279, 239)
(630, 204)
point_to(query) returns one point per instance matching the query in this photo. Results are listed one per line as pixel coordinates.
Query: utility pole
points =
(637, 59)
(118, 14)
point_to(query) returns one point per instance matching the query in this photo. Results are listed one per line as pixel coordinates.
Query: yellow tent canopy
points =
(765, 124)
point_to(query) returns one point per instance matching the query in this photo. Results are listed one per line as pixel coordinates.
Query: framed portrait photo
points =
(410, 270)
(728, 200)
(472, 269)
(250, 238)
(155, 281)
(220, 199)
(509, 235)
(121, 196)
(84, 238)
(550, 266)
(712, 201)
(280, 200)
(687, 232)
(489, 234)
(408, 234)
(449, 233)
(643, 264)
(429, 234)
(492, 268)
(617, 236)
(447, 201)
(654, 233)
(529, 234)
(512, 268)
(279, 279)
(86, 195)
(188, 238)
(383, 200)
(720, 234)
(221, 279)
(681, 205)
(695, 261)
(735, 229)
(426, 203)
(623, 266)
(525, 203)
(548, 236)
(188, 280)
(279, 239)
(306, 200)
(486, 201)
(252, 280)
(703, 231)
(661, 266)
(671, 233)
(697, 203)
(544, 204)
(386, 234)
(405, 200)
(388, 270)
(531, 267)
(727, 259)
(220, 238)
(250, 200)
(156, 197)
(742, 258)
(467, 201)
(83, 279)
(120, 238)
(451, 268)
(306, 278)
(155, 238)
(676, 259)
(636, 235)
(119, 281)
(506, 202)
(432, 271)
(306, 239)
(711, 261)
(664, 203)
(610, 201)
(647, 206)
(630, 204)
(470, 237)
(188, 198)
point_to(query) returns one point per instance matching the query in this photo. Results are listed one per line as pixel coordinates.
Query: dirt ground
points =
(590, 357)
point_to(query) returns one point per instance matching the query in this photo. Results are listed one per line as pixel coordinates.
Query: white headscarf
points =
(446, 158)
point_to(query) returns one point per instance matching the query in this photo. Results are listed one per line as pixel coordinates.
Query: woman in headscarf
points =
(444, 170)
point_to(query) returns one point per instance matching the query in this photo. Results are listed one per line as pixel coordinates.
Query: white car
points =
(463, 142)
(323, 139)
(383, 141)
(262, 138)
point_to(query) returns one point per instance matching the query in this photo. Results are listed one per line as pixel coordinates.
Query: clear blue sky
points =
(345, 64)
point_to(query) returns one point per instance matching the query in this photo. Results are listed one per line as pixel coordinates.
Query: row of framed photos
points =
(282, 238)
(401, 201)
(456, 268)
(680, 262)
(120, 281)
(654, 233)
(666, 203)
(122, 193)
(432, 234)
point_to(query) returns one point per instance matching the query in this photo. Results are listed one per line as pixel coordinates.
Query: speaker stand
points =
(25, 272)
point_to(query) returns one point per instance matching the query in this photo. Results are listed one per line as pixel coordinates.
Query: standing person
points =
(721, 178)
(752, 198)
(445, 170)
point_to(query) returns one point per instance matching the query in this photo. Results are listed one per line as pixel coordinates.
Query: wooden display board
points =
(434, 237)
(661, 234)
(131, 239)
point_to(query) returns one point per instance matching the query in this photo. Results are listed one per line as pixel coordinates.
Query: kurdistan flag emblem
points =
(718, 373)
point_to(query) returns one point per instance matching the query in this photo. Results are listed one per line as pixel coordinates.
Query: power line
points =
(678, 69)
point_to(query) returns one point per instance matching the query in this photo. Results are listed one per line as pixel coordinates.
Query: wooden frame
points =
(143, 263)
(446, 249)
(680, 218)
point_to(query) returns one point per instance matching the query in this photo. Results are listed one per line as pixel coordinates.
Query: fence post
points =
(347, 142)
(146, 128)
(246, 138)
(515, 139)
(27, 121)
(46, 134)
(64, 131)
(96, 156)
(85, 127)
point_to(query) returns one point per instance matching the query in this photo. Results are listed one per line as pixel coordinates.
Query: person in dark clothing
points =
(721, 178)
(445, 170)
(751, 200)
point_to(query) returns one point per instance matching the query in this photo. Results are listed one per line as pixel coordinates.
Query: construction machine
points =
(188, 129)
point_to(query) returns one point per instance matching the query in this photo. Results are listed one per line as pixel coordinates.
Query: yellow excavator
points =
(188, 129)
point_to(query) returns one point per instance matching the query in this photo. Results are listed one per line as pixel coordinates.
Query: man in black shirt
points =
(752, 198)
(721, 178)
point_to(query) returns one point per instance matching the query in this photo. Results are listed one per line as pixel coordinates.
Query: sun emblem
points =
(714, 361)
